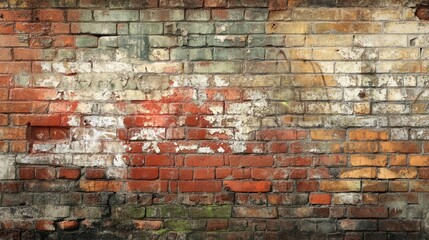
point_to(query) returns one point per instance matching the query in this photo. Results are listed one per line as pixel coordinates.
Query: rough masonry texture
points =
(214, 119)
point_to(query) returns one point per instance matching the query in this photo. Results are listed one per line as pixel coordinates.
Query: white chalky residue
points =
(205, 150)
(220, 82)
(216, 110)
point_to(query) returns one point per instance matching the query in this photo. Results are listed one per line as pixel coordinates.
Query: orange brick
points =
(14, 67)
(420, 161)
(368, 160)
(368, 135)
(18, 146)
(358, 173)
(398, 160)
(32, 93)
(100, 186)
(5, 54)
(320, 198)
(13, 133)
(4, 93)
(398, 186)
(321, 134)
(400, 147)
(393, 173)
(361, 147)
(374, 186)
(37, 120)
(340, 186)
(147, 225)
(420, 186)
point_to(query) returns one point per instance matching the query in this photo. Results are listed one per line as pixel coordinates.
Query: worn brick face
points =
(201, 119)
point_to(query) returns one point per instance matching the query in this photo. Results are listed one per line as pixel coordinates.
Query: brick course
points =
(201, 119)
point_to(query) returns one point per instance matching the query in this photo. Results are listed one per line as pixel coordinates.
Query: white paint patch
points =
(220, 82)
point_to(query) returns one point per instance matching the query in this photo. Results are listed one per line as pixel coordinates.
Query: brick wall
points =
(214, 119)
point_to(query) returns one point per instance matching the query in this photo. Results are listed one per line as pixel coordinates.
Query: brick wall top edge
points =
(272, 4)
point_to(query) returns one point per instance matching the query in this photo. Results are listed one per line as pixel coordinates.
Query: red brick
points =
(159, 160)
(277, 147)
(57, 133)
(143, 173)
(50, 15)
(100, 186)
(286, 160)
(45, 225)
(4, 147)
(14, 67)
(18, 146)
(5, 80)
(5, 54)
(247, 186)
(26, 173)
(95, 173)
(64, 41)
(36, 28)
(39, 133)
(32, 93)
(201, 134)
(251, 161)
(307, 186)
(3, 94)
(320, 198)
(277, 4)
(147, 186)
(147, 224)
(204, 160)
(15, 15)
(60, 28)
(37, 120)
(4, 119)
(15, 107)
(270, 173)
(45, 173)
(69, 173)
(169, 173)
(200, 186)
(281, 135)
(204, 173)
(217, 224)
(368, 212)
(68, 225)
(32, 54)
(13, 133)
(298, 173)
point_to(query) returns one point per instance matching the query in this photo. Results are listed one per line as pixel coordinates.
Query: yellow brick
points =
(393, 173)
(287, 27)
(399, 53)
(359, 173)
(368, 160)
(362, 108)
(420, 161)
(312, 67)
(280, 15)
(315, 14)
(340, 186)
(330, 40)
(400, 67)
(347, 27)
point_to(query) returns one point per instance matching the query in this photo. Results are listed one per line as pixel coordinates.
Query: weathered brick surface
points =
(214, 119)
